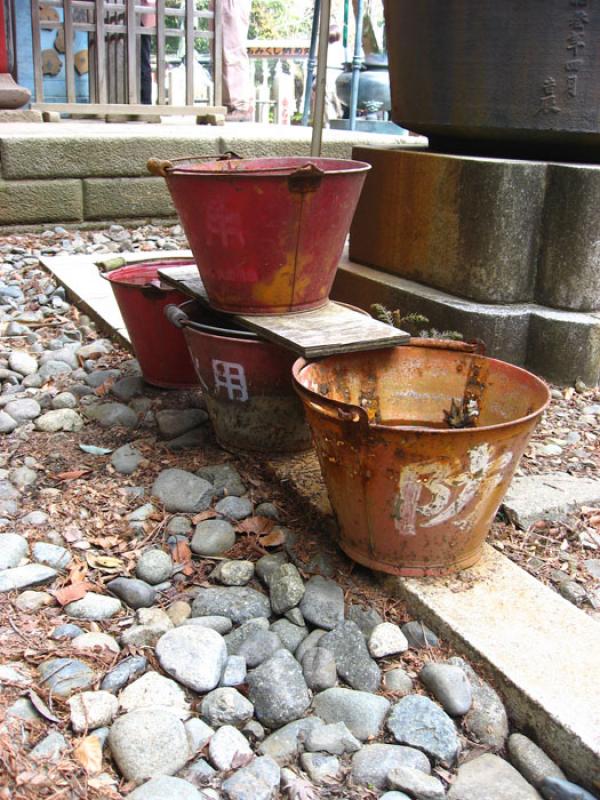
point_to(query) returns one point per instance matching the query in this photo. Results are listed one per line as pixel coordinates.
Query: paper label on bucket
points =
(440, 492)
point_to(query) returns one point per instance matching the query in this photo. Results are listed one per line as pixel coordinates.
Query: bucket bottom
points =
(165, 385)
(431, 570)
(261, 424)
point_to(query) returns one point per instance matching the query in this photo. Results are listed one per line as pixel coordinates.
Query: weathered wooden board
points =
(335, 328)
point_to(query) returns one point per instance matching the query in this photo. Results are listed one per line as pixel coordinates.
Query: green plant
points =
(412, 323)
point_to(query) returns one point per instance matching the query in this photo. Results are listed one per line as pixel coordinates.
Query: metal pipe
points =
(312, 62)
(356, 65)
(319, 112)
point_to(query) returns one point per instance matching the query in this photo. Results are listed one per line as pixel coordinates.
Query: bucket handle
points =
(475, 346)
(180, 319)
(160, 166)
(346, 412)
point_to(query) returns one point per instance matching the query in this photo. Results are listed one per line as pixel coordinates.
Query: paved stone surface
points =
(493, 778)
(548, 496)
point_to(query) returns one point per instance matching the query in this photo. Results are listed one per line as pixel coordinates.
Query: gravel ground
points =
(62, 489)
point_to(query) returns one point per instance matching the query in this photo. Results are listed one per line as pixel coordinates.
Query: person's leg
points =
(145, 72)
(236, 65)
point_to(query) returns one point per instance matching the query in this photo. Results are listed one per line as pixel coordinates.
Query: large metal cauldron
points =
(471, 73)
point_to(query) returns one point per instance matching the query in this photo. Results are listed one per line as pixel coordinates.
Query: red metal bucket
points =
(246, 381)
(159, 347)
(267, 233)
(412, 495)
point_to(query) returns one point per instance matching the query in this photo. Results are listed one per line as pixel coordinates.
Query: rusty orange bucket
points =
(412, 495)
(267, 233)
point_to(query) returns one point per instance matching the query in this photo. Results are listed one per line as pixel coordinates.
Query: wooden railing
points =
(114, 30)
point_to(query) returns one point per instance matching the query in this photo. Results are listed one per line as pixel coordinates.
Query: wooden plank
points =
(160, 51)
(36, 35)
(189, 51)
(127, 109)
(101, 66)
(334, 328)
(132, 62)
(218, 52)
(69, 63)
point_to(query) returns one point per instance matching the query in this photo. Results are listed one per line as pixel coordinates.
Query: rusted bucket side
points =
(413, 497)
(267, 234)
(248, 390)
(159, 347)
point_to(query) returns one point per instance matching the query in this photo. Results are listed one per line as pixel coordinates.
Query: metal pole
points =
(312, 62)
(319, 113)
(356, 65)
(345, 30)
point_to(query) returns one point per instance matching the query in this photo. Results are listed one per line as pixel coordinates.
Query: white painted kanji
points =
(232, 378)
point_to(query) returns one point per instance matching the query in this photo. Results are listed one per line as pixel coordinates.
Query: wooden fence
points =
(114, 30)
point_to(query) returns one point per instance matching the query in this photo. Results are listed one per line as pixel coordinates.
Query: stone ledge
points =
(40, 201)
(562, 346)
(118, 198)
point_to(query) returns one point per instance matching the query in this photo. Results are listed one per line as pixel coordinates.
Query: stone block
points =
(23, 202)
(504, 329)
(119, 150)
(564, 345)
(20, 115)
(550, 496)
(124, 198)
(466, 225)
(569, 276)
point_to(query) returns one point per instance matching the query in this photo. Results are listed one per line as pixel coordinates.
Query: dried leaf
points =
(301, 789)
(182, 554)
(273, 539)
(241, 759)
(41, 707)
(259, 525)
(200, 517)
(104, 388)
(72, 475)
(77, 571)
(72, 592)
(104, 563)
(72, 533)
(89, 754)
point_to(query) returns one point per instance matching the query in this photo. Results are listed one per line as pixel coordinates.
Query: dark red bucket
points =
(267, 233)
(159, 347)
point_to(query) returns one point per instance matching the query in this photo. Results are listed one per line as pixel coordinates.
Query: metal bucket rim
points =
(284, 171)
(112, 276)
(300, 364)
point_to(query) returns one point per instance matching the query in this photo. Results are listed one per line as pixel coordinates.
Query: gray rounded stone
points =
(147, 743)
(100, 376)
(419, 635)
(221, 625)
(51, 554)
(335, 739)
(179, 526)
(154, 567)
(133, 592)
(173, 422)
(126, 670)
(64, 400)
(486, 721)
(22, 477)
(179, 490)
(226, 706)
(227, 746)
(13, 549)
(61, 419)
(166, 787)
(66, 675)
(213, 537)
(239, 603)
(286, 743)
(112, 415)
(353, 662)
(561, 789)
(373, 762)
(531, 761)
(233, 507)
(312, 640)
(234, 673)
(7, 423)
(394, 796)
(365, 618)
(236, 638)
(126, 459)
(225, 478)
(417, 783)
(23, 410)
(258, 646)
(362, 712)
(94, 607)
(267, 565)
(22, 362)
(323, 602)
(319, 669)
(278, 690)
(321, 768)
(286, 588)
(491, 777)
(290, 634)
(387, 639)
(53, 369)
(194, 656)
(418, 722)
(66, 631)
(449, 685)
(397, 680)
(257, 781)
(267, 510)
(25, 576)
(233, 573)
